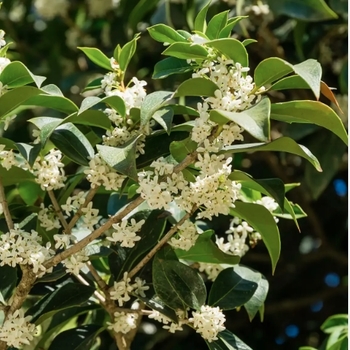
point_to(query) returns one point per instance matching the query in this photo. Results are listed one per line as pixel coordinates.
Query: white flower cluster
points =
(168, 324)
(100, 173)
(123, 322)
(16, 330)
(186, 236)
(208, 322)
(211, 270)
(49, 172)
(101, 7)
(125, 232)
(120, 290)
(50, 9)
(8, 159)
(23, 248)
(48, 218)
(73, 203)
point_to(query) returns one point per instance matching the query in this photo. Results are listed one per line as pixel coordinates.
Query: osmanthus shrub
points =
(106, 215)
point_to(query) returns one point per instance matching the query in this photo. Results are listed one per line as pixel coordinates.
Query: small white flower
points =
(120, 290)
(186, 237)
(48, 218)
(211, 270)
(126, 234)
(123, 322)
(76, 262)
(139, 287)
(2, 40)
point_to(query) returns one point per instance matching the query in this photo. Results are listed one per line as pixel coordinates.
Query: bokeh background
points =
(310, 282)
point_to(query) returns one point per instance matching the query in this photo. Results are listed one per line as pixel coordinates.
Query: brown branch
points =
(5, 207)
(58, 210)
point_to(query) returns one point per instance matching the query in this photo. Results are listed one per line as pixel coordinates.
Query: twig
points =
(5, 207)
(98, 295)
(100, 282)
(58, 209)
(160, 244)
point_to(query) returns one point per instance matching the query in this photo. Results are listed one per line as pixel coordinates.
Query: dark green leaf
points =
(59, 103)
(230, 290)
(169, 66)
(186, 51)
(205, 250)
(94, 84)
(14, 176)
(312, 112)
(232, 341)
(196, 87)
(29, 152)
(72, 143)
(333, 322)
(30, 191)
(180, 149)
(90, 117)
(164, 117)
(216, 24)
(263, 222)
(8, 281)
(255, 120)
(96, 56)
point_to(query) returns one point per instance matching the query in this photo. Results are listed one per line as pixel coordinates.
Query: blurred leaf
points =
(263, 222)
(139, 11)
(14, 176)
(232, 48)
(96, 56)
(216, 25)
(68, 295)
(72, 143)
(186, 51)
(247, 42)
(94, 84)
(30, 191)
(333, 322)
(80, 338)
(254, 120)
(309, 112)
(178, 285)
(205, 250)
(8, 281)
(306, 10)
(169, 66)
(231, 290)
(327, 92)
(200, 23)
(343, 78)
(165, 34)
(196, 87)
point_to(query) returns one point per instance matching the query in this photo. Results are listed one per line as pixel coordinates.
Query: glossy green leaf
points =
(333, 322)
(14, 98)
(8, 281)
(293, 211)
(170, 66)
(232, 48)
(282, 144)
(205, 250)
(127, 52)
(96, 56)
(263, 222)
(196, 87)
(186, 51)
(165, 34)
(311, 112)
(200, 23)
(226, 31)
(29, 152)
(122, 159)
(58, 103)
(80, 338)
(180, 149)
(254, 120)
(72, 143)
(16, 74)
(46, 125)
(178, 285)
(291, 82)
(216, 25)
(230, 290)
(14, 176)
(306, 10)
(90, 117)
(94, 84)
(115, 102)
(181, 110)
(30, 192)
(164, 117)
(151, 103)
(68, 295)
(232, 341)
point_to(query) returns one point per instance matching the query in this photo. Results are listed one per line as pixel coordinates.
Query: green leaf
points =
(8, 281)
(68, 295)
(72, 143)
(115, 102)
(333, 322)
(46, 125)
(306, 10)
(186, 51)
(247, 42)
(310, 71)
(141, 8)
(14, 98)
(254, 120)
(216, 24)
(270, 70)
(178, 285)
(90, 118)
(80, 338)
(16, 74)
(94, 84)
(127, 52)
(232, 341)
(96, 56)
(312, 112)
(59, 103)
(181, 110)
(263, 222)
(282, 144)
(230, 290)
(29, 152)
(164, 117)
(200, 23)
(258, 299)
(122, 159)
(196, 87)
(151, 103)
(14, 176)
(170, 66)
(293, 211)
(180, 149)
(205, 250)
(165, 34)
(232, 48)
(30, 192)
(226, 31)
(291, 82)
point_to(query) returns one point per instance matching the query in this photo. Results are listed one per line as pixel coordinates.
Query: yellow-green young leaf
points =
(196, 87)
(283, 144)
(254, 120)
(169, 66)
(96, 56)
(200, 23)
(226, 31)
(116, 52)
(186, 51)
(127, 52)
(16, 74)
(311, 112)
(247, 42)
(263, 222)
(165, 34)
(233, 49)
(216, 24)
